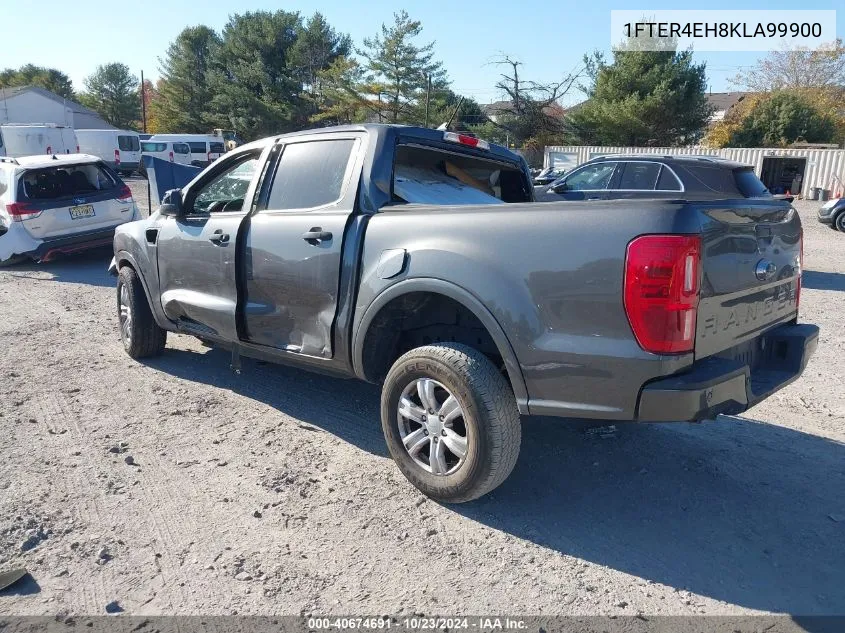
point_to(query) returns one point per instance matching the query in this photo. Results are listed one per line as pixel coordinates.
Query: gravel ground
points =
(176, 487)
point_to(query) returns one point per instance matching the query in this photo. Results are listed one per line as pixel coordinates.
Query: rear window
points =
(217, 148)
(748, 183)
(64, 181)
(128, 143)
(198, 148)
(718, 179)
(426, 175)
(147, 146)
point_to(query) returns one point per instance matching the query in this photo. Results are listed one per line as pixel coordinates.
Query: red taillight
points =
(49, 149)
(77, 149)
(171, 157)
(661, 291)
(208, 156)
(463, 139)
(125, 194)
(20, 211)
(117, 157)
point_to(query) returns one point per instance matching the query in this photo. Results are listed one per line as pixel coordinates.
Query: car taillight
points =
(463, 139)
(20, 211)
(77, 149)
(49, 149)
(117, 157)
(208, 156)
(661, 291)
(125, 194)
(171, 157)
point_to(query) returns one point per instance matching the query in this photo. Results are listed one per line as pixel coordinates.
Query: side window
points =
(668, 181)
(311, 174)
(181, 148)
(198, 148)
(639, 176)
(227, 190)
(591, 177)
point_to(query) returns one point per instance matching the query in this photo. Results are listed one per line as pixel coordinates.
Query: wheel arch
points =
(460, 296)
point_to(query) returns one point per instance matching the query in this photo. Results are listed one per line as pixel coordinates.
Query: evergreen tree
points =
(113, 92)
(184, 95)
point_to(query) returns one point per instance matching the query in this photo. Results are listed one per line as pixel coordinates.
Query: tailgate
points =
(71, 198)
(751, 263)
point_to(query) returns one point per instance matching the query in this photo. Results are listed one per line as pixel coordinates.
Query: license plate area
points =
(82, 211)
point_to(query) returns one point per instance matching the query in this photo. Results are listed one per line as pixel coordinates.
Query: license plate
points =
(82, 211)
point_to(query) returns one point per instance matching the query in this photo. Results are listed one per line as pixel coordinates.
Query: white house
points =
(31, 104)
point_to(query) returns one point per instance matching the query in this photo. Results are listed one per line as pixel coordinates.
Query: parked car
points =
(832, 213)
(119, 149)
(205, 148)
(670, 177)
(417, 259)
(30, 140)
(59, 204)
(175, 152)
(548, 176)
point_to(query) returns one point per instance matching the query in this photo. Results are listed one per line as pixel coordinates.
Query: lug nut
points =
(441, 418)
(425, 433)
(443, 432)
(423, 418)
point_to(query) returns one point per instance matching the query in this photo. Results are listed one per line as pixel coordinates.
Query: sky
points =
(549, 38)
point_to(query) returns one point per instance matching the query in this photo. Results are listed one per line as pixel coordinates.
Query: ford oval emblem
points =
(765, 270)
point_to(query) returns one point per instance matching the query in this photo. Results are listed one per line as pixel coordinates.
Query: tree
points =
(781, 119)
(532, 109)
(797, 68)
(112, 91)
(184, 92)
(341, 98)
(399, 70)
(255, 86)
(317, 46)
(31, 75)
(645, 97)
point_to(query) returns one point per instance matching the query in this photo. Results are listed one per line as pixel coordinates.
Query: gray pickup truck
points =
(418, 259)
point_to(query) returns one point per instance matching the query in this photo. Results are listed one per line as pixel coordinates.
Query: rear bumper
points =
(723, 386)
(48, 249)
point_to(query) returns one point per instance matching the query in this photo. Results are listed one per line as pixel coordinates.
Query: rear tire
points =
(140, 334)
(839, 222)
(451, 456)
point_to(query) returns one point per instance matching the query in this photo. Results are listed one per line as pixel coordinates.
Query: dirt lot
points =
(271, 492)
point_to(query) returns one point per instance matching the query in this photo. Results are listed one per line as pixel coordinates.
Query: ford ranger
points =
(418, 259)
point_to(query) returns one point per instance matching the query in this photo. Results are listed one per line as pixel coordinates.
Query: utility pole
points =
(143, 102)
(427, 99)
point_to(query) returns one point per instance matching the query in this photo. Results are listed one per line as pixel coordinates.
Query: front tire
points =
(450, 421)
(140, 334)
(839, 222)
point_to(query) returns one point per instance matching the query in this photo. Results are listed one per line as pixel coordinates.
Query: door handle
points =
(316, 235)
(219, 237)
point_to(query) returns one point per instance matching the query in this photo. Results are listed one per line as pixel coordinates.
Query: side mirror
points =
(171, 203)
(559, 187)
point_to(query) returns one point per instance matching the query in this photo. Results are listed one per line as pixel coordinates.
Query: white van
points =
(119, 149)
(30, 140)
(205, 148)
(174, 152)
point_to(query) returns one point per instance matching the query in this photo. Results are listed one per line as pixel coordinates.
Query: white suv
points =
(59, 204)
